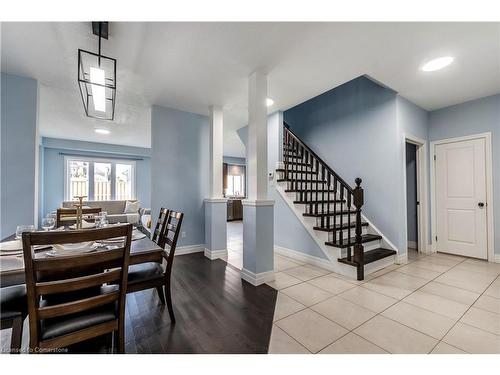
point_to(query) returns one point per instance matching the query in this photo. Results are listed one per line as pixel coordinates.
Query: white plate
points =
(14, 245)
(72, 249)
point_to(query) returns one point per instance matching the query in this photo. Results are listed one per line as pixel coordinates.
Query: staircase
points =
(331, 207)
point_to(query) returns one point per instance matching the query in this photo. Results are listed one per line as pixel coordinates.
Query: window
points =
(99, 179)
(78, 178)
(235, 186)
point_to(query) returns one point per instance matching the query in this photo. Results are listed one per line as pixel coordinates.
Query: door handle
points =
(481, 204)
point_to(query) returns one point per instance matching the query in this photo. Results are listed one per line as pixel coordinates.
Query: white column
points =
(216, 151)
(257, 137)
(215, 204)
(258, 210)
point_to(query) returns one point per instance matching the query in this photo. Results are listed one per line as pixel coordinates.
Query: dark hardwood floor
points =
(216, 312)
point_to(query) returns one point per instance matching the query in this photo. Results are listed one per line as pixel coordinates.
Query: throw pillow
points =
(131, 207)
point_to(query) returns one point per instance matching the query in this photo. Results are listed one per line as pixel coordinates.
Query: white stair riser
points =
(312, 195)
(312, 186)
(336, 221)
(322, 207)
(339, 253)
(328, 236)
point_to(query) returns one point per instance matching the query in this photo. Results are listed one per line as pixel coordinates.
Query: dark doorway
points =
(411, 198)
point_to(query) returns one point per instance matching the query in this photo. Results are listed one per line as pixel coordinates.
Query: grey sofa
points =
(114, 209)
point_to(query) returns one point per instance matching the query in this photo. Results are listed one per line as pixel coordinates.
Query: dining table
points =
(142, 250)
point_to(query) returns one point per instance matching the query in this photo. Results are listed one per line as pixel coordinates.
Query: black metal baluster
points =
(322, 197)
(317, 189)
(341, 232)
(328, 183)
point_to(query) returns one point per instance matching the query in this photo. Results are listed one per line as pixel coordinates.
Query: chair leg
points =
(120, 338)
(17, 334)
(159, 289)
(169, 303)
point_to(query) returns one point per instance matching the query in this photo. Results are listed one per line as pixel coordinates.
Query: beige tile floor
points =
(235, 244)
(439, 304)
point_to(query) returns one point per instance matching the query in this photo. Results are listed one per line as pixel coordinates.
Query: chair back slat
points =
(77, 283)
(74, 236)
(66, 216)
(77, 306)
(171, 234)
(64, 285)
(104, 258)
(160, 225)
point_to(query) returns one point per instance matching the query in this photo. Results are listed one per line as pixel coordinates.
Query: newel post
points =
(358, 199)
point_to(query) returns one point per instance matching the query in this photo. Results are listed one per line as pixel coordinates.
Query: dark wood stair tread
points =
(321, 201)
(340, 227)
(345, 212)
(370, 256)
(351, 241)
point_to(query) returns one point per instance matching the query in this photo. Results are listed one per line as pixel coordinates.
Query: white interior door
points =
(461, 198)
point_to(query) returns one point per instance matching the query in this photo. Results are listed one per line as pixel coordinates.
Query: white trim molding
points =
(216, 200)
(215, 254)
(183, 250)
(305, 258)
(257, 278)
(492, 257)
(257, 202)
(412, 244)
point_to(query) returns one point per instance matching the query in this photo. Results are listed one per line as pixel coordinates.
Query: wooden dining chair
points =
(156, 275)
(13, 312)
(76, 297)
(67, 216)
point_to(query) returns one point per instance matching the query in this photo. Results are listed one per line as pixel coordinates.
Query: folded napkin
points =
(137, 235)
(73, 248)
(85, 225)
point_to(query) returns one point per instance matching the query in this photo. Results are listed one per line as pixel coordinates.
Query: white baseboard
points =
(183, 250)
(215, 254)
(257, 279)
(496, 258)
(305, 258)
(401, 258)
(412, 245)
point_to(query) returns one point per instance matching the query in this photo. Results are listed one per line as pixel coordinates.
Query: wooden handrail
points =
(315, 156)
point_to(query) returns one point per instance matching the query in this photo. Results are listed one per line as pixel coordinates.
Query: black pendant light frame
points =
(85, 83)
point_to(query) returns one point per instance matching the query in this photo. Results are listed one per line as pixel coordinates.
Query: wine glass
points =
(48, 223)
(20, 229)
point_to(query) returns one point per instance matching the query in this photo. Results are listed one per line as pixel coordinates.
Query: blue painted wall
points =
(179, 168)
(473, 117)
(53, 168)
(354, 129)
(19, 149)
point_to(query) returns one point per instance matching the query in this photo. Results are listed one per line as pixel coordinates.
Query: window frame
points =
(91, 160)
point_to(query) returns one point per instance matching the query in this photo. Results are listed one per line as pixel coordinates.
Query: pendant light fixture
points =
(97, 78)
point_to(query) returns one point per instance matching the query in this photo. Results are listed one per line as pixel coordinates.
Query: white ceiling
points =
(189, 66)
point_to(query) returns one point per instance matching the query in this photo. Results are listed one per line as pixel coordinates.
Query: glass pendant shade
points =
(97, 81)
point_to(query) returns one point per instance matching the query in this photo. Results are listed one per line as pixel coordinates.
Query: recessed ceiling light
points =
(102, 131)
(269, 102)
(437, 64)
